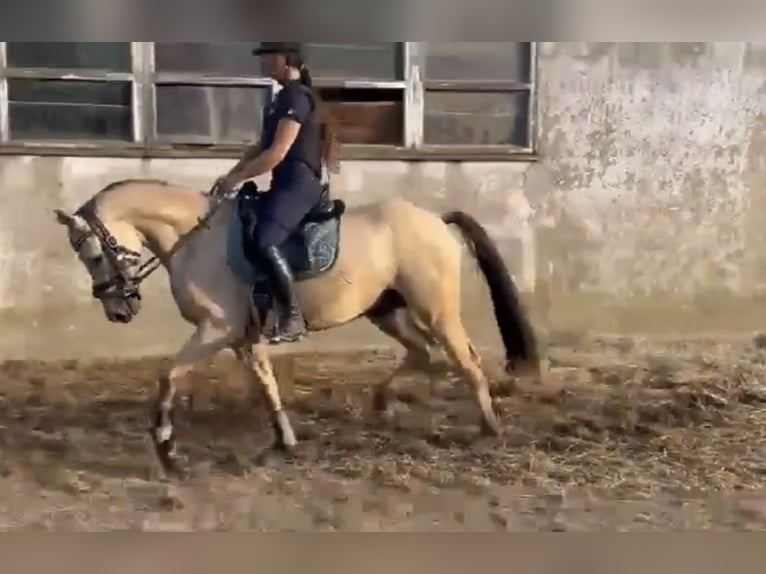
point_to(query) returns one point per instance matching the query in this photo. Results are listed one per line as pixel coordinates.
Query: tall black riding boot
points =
(290, 325)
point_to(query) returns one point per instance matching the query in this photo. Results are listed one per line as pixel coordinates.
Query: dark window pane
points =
(111, 56)
(367, 116)
(232, 58)
(362, 61)
(70, 110)
(471, 118)
(476, 61)
(210, 114)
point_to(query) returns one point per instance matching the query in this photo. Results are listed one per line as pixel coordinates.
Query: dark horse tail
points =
(515, 330)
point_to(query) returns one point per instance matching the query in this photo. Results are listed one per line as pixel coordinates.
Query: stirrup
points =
(276, 337)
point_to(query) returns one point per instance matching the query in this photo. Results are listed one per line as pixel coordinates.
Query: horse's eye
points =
(98, 260)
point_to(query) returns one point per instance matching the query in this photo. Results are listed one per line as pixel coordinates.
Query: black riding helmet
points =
(279, 48)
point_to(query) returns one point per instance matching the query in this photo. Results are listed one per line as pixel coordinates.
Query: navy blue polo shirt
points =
(296, 102)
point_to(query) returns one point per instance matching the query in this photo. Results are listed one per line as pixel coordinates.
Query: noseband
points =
(129, 272)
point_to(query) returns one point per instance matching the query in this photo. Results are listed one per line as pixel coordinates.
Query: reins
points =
(151, 265)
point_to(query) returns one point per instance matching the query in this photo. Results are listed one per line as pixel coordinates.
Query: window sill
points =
(440, 153)
(350, 152)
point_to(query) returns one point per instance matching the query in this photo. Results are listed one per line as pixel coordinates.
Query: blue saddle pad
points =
(311, 251)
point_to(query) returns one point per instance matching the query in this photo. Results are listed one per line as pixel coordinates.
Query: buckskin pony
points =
(391, 262)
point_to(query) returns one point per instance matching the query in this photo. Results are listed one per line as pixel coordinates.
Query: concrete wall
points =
(660, 146)
(644, 213)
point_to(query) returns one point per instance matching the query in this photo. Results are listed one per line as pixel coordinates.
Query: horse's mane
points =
(117, 184)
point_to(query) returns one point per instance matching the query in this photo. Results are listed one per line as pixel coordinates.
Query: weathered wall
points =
(645, 212)
(660, 146)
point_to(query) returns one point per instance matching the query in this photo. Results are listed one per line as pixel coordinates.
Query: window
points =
(209, 115)
(399, 99)
(208, 94)
(67, 92)
(476, 118)
(225, 59)
(59, 110)
(363, 87)
(372, 61)
(481, 62)
(478, 94)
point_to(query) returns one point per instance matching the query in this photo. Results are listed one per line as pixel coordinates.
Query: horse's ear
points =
(64, 218)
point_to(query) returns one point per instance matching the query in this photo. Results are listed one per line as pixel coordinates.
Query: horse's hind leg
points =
(399, 325)
(438, 305)
(450, 331)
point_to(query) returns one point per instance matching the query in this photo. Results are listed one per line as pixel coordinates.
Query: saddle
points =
(325, 209)
(311, 250)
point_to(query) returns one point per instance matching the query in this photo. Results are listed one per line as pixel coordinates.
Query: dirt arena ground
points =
(624, 435)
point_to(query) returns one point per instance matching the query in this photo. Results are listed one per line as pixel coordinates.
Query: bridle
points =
(129, 272)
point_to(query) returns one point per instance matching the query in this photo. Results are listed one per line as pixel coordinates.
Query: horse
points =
(392, 262)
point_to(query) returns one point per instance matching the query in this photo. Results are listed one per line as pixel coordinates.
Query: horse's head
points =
(111, 256)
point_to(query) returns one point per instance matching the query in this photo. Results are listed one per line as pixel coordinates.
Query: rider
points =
(296, 141)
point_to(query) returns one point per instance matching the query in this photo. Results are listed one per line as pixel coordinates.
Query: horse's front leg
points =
(205, 343)
(258, 365)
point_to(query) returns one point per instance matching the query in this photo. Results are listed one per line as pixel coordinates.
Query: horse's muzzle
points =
(119, 317)
(123, 310)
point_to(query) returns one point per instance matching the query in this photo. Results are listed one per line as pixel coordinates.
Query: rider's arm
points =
(295, 110)
(250, 153)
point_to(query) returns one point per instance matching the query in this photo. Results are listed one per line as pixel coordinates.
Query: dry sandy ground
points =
(624, 435)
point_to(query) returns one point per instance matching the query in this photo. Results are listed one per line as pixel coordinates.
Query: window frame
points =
(145, 78)
(54, 147)
(490, 86)
(153, 78)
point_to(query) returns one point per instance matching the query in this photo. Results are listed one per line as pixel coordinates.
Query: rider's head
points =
(283, 61)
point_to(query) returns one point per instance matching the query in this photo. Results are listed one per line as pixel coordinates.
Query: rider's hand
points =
(221, 187)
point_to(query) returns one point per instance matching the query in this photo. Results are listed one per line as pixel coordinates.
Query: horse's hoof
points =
(491, 428)
(275, 456)
(186, 403)
(284, 435)
(180, 472)
(387, 416)
(381, 402)
(167, 455)
(284, 450)
(526, 369)
(382, 416)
